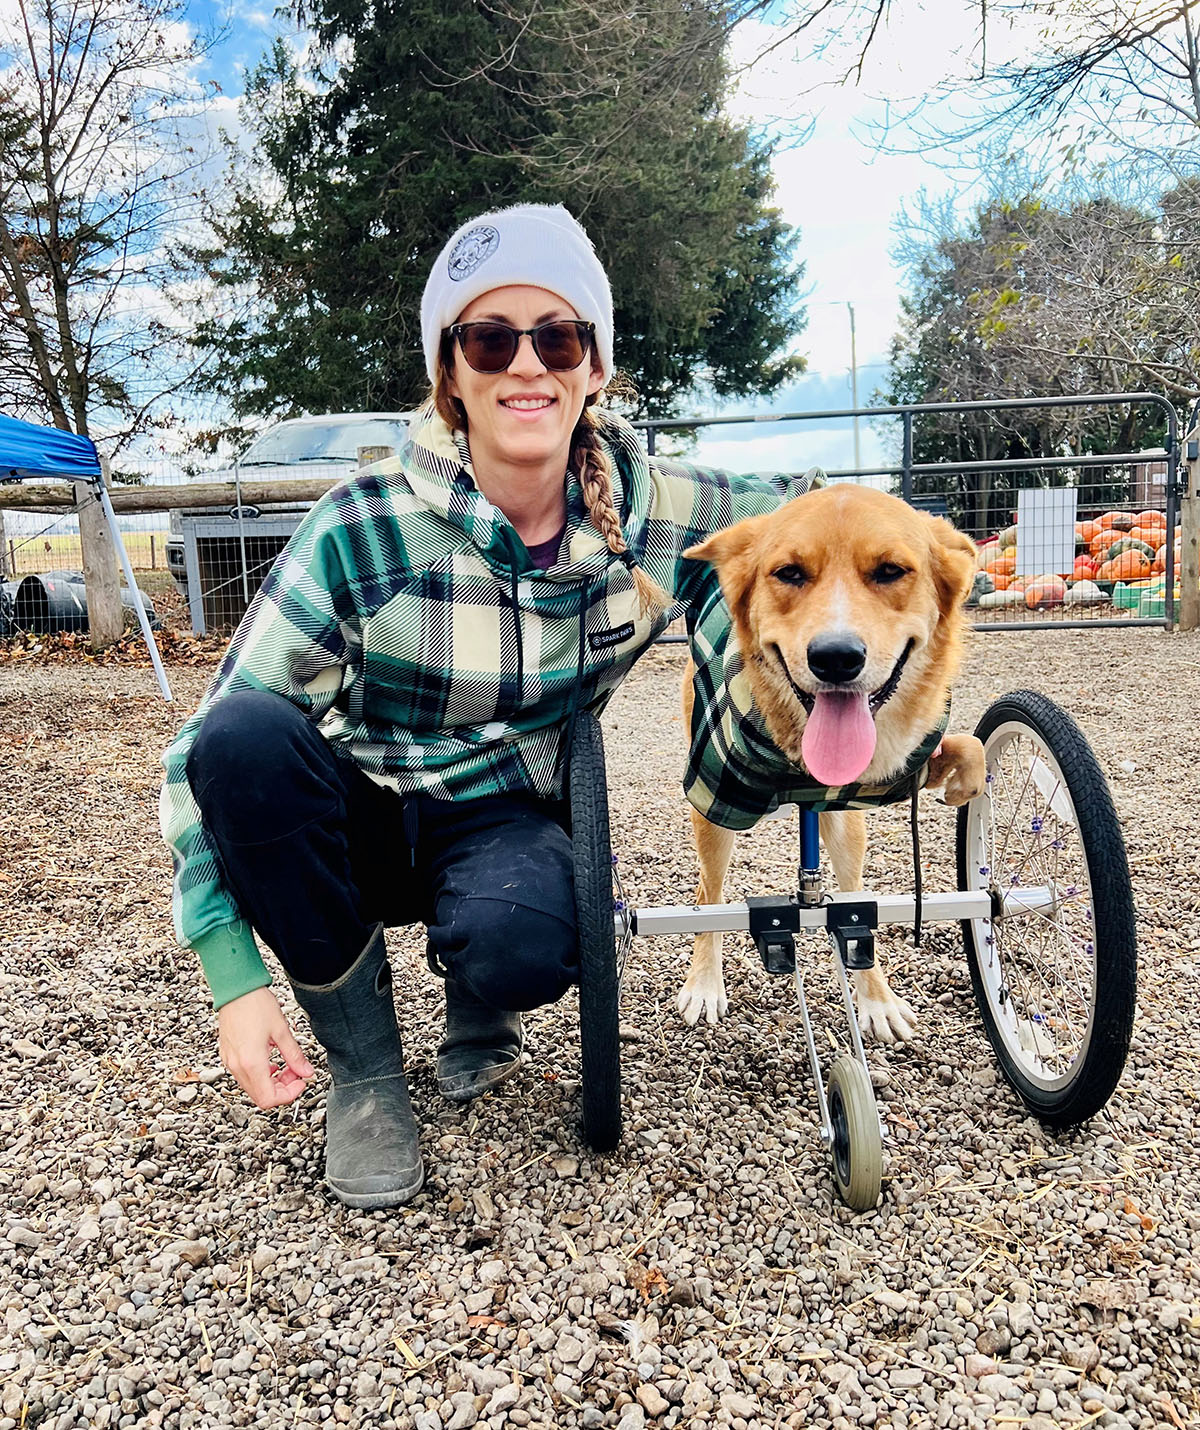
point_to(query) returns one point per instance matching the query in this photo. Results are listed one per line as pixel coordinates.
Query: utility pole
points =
(854, 388)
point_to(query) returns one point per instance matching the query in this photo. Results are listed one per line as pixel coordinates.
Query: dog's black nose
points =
(836, 659)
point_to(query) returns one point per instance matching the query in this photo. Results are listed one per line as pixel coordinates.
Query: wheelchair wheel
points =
(857, 1149)
(598, 982)
(1055, 980)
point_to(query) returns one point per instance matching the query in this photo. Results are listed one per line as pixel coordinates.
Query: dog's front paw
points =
(702, 996)
(961, 766)
(885, 1017)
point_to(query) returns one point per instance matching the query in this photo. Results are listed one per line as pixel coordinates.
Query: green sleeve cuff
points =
(231, 961)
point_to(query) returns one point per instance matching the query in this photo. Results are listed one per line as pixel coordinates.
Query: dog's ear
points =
(953, 559)
(731, 553)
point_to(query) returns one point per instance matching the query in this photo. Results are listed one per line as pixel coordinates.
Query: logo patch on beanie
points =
(472, 249)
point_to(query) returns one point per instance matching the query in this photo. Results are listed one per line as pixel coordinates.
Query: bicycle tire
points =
(599, 1024)
(1047, 814)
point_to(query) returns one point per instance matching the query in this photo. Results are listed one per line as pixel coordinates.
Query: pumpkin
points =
(1085, 531)
(981, 586)
(1045, 591)
(1004, 564)
(1000, 598)
(1129, 543)
(1008, 537)
(1129, 566)
(1117, 520)
(1085, 567)
(1153, 536)
(1152, 518)
(1104, 539)
(1085, 593)
(999, 582)
(1159, 566)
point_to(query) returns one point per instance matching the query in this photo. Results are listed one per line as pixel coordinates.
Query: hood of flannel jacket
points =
(436, 466)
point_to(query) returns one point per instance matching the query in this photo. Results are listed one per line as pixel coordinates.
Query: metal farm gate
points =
(1054, 496)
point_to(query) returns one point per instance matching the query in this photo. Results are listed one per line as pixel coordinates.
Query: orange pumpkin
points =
(1129, 566)
(1045, 591)
(1152, 518)
(1085, 568)
(1000, 582)
(1151, 535)
(1104, 539)
(1085, 531)
(1159, 565)
(1005, 564)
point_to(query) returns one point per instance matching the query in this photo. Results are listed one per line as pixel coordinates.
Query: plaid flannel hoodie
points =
(406, 619)
(736, 774)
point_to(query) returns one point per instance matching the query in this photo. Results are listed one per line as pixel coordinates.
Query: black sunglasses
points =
(490, 347)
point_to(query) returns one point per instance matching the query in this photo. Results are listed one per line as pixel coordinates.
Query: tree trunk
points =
(106, 620)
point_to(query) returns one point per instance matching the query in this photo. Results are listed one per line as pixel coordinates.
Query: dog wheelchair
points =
(1044, 901)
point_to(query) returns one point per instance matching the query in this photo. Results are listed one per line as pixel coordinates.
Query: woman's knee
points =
(253, 754)
(514, 957)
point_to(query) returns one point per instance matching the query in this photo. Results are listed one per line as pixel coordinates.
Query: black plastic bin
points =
(57, 601)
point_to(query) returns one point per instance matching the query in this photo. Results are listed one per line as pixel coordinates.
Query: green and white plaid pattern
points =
(406, 618)
(736, 773)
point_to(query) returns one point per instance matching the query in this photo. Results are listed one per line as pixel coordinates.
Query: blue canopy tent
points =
(27, 450)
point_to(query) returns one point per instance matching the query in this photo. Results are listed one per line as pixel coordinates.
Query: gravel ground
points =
(169, 1257)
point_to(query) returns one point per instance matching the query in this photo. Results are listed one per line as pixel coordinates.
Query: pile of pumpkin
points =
(1115, 546)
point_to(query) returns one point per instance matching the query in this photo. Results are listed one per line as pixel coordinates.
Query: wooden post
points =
(1189, 543)
(106, 620)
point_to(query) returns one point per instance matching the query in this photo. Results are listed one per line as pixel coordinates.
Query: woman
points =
(383, 742)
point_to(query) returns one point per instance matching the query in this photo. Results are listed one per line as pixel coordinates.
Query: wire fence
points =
(1086, 538)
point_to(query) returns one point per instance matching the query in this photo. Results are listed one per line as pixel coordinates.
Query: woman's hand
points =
(251, 1027)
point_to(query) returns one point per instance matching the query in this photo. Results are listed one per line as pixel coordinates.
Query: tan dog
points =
(847, 611)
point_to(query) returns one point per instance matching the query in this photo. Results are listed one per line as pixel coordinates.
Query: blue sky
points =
(836, 186)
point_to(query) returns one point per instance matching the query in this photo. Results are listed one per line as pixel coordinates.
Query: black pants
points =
(316, 854)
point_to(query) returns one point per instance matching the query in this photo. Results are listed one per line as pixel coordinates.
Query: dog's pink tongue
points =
(839, 738)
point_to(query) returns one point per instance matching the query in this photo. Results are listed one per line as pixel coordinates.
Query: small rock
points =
(1020, 1318)
(684, 1207)
(492, 1273)
(484, 1206)
(893, 1300)
(24, 1236)
(465, 1413)
(568, 1350)
(993, 1342)
(195, 1253)
(651, 1401)
(263, 1257)
(187, 1093)
(682, 1293)
(977, 1366)
(566, 1166)
(503, 1398)
(906, 1378)
(999, 1387)
(1084, 1356)
(739, 1406)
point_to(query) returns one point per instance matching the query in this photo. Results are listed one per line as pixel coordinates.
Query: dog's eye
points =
(791, 575)
(886, 572)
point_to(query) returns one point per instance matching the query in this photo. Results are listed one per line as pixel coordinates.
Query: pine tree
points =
(419, 115)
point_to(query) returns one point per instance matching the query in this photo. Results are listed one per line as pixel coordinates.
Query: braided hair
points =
(594, 467)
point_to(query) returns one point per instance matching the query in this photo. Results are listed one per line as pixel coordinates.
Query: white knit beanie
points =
(536, 244)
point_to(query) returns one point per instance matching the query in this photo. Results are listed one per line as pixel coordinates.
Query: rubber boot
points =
(482, 1046)
(372, 1147)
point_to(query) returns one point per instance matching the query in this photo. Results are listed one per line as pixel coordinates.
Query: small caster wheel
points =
(857, 1147)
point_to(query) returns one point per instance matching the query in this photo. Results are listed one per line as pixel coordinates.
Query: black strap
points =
(916, 848)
